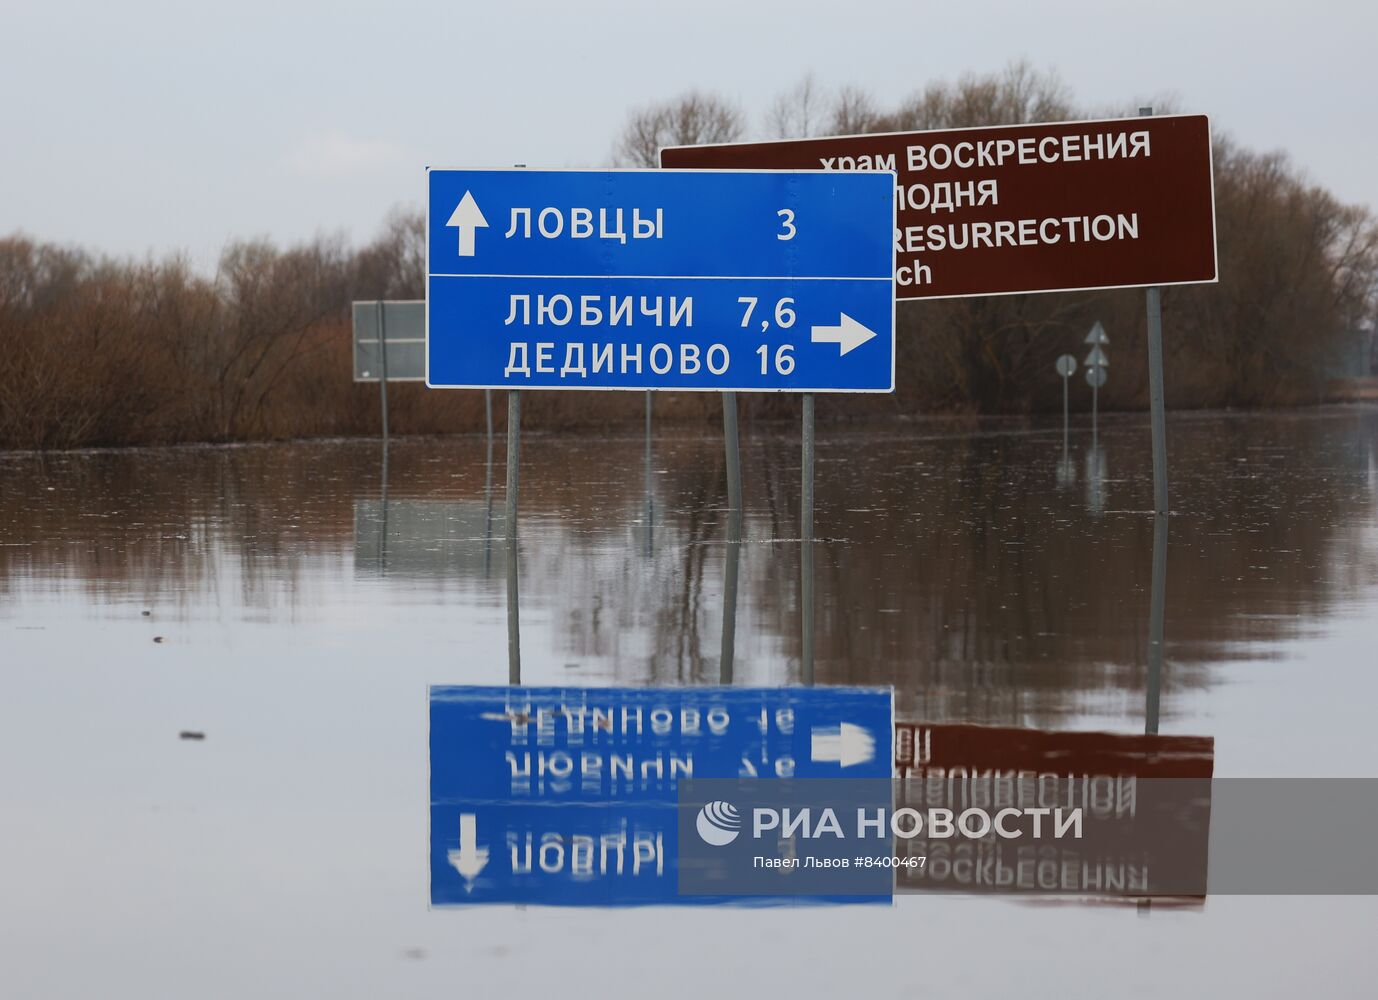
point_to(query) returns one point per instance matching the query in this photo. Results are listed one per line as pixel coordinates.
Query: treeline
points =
(108, 352)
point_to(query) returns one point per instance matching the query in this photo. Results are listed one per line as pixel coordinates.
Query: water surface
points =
(298, 603)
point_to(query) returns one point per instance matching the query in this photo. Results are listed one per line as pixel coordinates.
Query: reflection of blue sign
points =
(568, 796)
(651, 279)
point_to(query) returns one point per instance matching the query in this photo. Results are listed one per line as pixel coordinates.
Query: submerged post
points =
(1158, 415)
(806, 543)
(650, 500)
(514, 435)
(1156, 612)
(1064, 413)
(734, 460)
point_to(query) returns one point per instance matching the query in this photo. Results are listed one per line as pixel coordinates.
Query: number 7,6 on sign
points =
(784, 315)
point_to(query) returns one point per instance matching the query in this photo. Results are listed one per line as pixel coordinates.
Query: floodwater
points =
(293, 606)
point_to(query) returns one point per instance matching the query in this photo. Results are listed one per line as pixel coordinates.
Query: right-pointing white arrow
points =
(848, 334)
(845, 743)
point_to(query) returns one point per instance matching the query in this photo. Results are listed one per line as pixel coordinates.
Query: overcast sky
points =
(143, 125)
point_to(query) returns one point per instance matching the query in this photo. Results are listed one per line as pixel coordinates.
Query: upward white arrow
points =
(467, 218)
(470, 859)
(847, 335)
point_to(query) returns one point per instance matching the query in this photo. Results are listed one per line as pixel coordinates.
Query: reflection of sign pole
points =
(514, 435)
(729, 596)
(650, 501)
(1066, 365)
(806, 542)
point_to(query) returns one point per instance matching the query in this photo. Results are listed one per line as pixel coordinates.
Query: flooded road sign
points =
(405, 324)
(650, 279)
(569, 796)
(1025, 208)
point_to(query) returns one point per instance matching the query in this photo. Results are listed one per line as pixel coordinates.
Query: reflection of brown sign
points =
(1145, 803)
(1025, 208)
(980, 748)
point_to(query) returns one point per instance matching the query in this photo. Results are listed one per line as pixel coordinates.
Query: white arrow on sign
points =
(845, 743)
(848, 334)
(1097, 358)
(1097, 335)
(467, 218)
(470, 859)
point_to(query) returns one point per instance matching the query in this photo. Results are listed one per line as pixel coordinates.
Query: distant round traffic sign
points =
(1066, 365)
(1095, 377)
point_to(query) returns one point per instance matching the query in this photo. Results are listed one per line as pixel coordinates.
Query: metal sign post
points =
(1158, 415)
(1156, 613)
(1096, 364)
(734, 457)
(1095, 378)
(383, 355)
(1066, 365)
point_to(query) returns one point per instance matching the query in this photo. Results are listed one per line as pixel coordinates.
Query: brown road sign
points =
(1025, 208)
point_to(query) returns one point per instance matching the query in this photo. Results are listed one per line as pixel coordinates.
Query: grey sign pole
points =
(734, 459)
(383, 360)
(806, 543)
(1066, 365)
(1158, 416)
(1096, 365)
(514, 443)
(1156, 613)
(650, 497)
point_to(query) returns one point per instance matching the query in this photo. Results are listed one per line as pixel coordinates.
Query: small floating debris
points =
(159, 638)
(191, 734)
(146, 614)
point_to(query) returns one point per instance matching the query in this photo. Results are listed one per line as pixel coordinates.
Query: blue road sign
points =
(568, 796)
(649, 279)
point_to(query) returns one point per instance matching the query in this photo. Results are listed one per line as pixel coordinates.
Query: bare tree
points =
(690, 120)
(853, 112)
(799, 112)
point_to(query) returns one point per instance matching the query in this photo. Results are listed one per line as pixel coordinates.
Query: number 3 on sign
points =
(787, 229)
